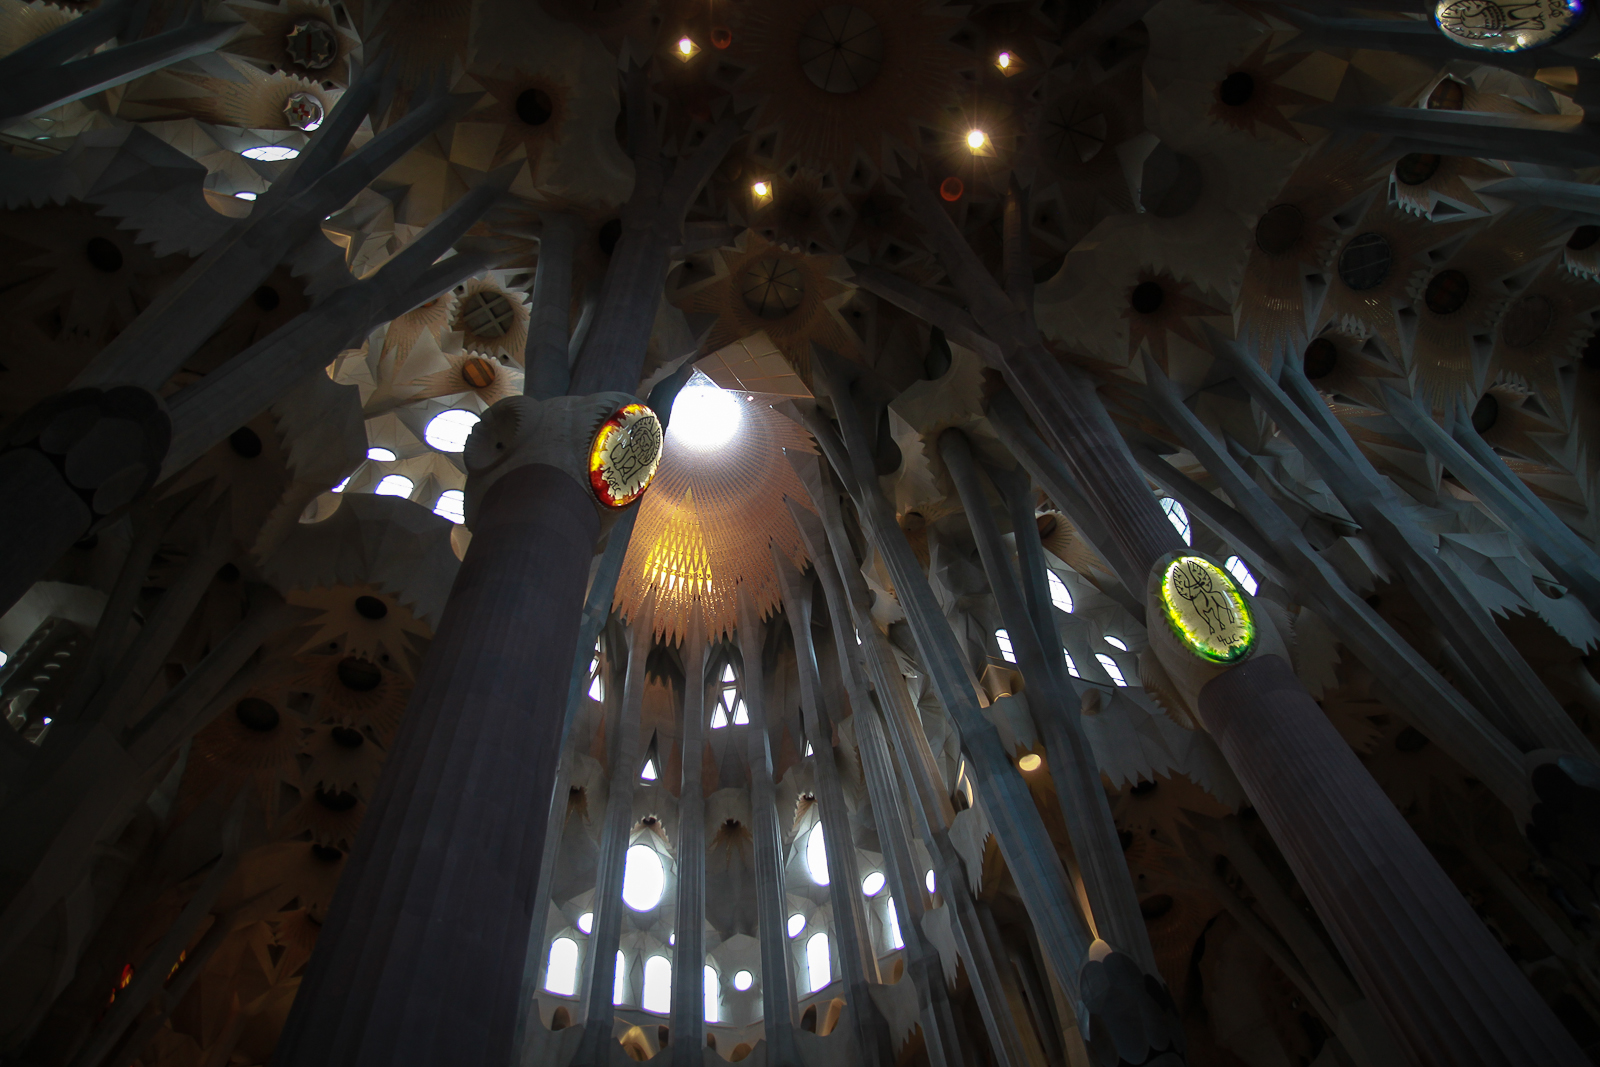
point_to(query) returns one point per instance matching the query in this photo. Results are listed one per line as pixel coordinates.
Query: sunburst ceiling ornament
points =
(705, 526)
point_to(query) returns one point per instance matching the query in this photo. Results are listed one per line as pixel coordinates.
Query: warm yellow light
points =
(761, 188)
(1003, 60)
(976, 139)
(1030, 762)
(685, 46)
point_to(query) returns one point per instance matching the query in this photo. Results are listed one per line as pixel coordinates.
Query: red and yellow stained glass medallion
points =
(624, 455)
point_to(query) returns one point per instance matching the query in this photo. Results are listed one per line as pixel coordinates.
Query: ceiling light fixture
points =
(976, 140)
(687, 49)
(704, 417)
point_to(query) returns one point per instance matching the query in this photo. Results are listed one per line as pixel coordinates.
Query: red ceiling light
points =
(952, 188)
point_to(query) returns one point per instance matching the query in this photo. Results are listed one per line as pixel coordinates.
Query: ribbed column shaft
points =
(689, 955)
(1055, 706)
(777, 983)
(599, 965)
(1424, 959)
(420, 959)
(550, 318)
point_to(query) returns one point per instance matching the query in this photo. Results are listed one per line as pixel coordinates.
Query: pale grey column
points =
(549, 321)
(1527, 712)
(851, 934)
(689, 956)
(599, 963)
(777, 981)
(1055, 705)
(829, 549)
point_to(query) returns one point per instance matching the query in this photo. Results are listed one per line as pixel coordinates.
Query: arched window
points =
(797, 922)
(657, 995)
(1059, 595)
(730, 706)
(561, 973)
(1241, 574)
(597, 685)
(644, 879)
(1003, 639)
(619, 985)
(452, 505)
(819, 962)
(1072, 667)
(394, 485)
(895, 940)
(1180, 519)
(1111, 668)
(713, 994)
(817, 856)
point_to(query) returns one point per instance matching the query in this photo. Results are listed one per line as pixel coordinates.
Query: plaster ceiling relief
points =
(304, 38)
(834, 79)
(705, 524)
(232, 92)
(756, 286)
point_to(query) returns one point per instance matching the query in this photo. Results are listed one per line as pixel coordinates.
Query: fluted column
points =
(1055, 704)
(689, 956)
(420, 959)
(622, 769)
(826, 544)
(854, 939)
(1425, 960)
(550, 318)
(777, 982)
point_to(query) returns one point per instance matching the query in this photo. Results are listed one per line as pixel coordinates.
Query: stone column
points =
(420, 960)
(622, 771)
(1423, 957)
(549, 321)
(857, 959)
(828, 545)
(777, 982)
(1055, 704)
(689, 957)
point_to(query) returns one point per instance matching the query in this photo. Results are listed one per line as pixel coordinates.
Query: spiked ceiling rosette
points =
(304, 38)
(835, 79)
(1542, 332)
(1442, 187)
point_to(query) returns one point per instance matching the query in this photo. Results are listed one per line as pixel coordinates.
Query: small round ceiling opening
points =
(704, 416)
(841, 49)
(772, 287)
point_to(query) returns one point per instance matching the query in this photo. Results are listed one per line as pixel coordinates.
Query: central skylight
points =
(704, 416)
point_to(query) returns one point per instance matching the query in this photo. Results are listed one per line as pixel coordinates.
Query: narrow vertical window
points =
(1111, 668)
(597, 689)
(730, 707)
(1072, 667)
(1180, 519)
(648, 773)
(657, 996)
(1241, 574)
(619, 985)
(713, 994)
(1003, 639)
(1059, 595)
(561, 973)
(817, 856)
(895, 940)
(819, 962)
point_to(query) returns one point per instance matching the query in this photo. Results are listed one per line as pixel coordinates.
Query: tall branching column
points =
(828, 546)
(856, 957)
(421, 958)
(777, 982)
(689, 957)
(1055, 704)
(622, 760)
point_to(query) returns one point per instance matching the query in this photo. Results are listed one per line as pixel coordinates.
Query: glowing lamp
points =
(1030, 762)
(624, 455)
(1003, 60)
(762, 190)
(976, 139)
(1206, 611)
(686, 48)
(1009, 63)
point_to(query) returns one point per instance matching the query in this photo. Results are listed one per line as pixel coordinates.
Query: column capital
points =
(610, 443)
